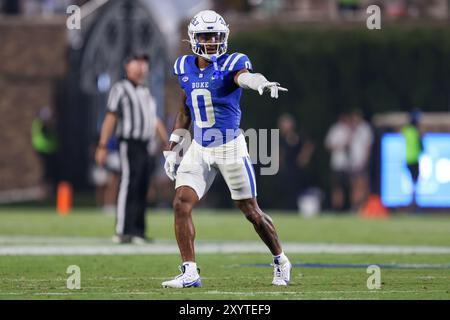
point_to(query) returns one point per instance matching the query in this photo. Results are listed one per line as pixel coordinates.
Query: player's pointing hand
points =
(273, 87)
(258, 82)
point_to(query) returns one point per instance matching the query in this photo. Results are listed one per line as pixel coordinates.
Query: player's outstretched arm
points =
(182, 122)
(258, 82)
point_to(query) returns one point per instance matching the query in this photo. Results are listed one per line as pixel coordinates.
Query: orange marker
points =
(374, 208)
(64, 198)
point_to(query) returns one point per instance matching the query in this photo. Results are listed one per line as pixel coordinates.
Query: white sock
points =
(280, 259)
(191, 267)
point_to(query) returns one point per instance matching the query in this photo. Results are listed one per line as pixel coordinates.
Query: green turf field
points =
(424, 274)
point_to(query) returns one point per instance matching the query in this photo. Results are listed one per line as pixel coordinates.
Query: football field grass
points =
(331, 254)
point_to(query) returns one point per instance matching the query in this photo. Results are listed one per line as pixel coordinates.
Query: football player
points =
(212, 83)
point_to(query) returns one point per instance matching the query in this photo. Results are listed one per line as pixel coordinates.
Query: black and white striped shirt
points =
(136, 110)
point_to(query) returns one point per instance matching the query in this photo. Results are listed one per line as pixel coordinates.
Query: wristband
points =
(175, 138)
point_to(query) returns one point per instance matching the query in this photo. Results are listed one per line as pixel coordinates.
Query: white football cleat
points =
(184, 280)
(281, 273)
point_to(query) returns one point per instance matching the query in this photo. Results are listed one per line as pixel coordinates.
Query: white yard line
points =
(217, 292)
(42, 240)
(29, 245)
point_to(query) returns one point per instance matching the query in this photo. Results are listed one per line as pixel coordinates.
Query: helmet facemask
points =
(209, 44)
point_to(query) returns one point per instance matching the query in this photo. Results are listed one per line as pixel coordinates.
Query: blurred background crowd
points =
(291, 9)
(349, 88)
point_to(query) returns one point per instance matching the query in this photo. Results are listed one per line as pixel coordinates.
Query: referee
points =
(131, 114)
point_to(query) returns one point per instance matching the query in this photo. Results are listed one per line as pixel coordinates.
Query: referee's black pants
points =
(136, 168)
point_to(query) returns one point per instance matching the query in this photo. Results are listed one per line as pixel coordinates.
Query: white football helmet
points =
(208, 34)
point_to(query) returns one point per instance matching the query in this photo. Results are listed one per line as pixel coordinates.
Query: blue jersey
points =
(213, 99)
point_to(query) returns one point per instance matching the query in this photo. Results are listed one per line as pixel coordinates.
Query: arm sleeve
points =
(249, 80)
(114, 99)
